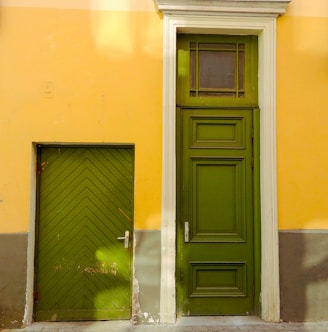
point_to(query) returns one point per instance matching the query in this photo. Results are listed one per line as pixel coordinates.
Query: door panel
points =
(215, 261)
(85, 202)
(217, 204)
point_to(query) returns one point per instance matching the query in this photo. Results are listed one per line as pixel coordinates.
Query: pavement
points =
(190, 324)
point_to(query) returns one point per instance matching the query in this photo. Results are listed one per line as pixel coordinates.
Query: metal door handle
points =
(125, 238)
(186, 231)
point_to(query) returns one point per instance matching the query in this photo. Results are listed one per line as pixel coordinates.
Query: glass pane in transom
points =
(217, 70)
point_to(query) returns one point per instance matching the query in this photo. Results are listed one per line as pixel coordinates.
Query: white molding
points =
(28, 312)
(214, 7)
(265, 28)
(167, 292)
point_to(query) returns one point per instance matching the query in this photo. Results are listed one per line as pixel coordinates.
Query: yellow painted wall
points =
(105, 68)
(302, 115)
(103, 59)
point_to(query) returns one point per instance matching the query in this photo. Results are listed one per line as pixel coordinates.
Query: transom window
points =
(214, 69)
(217, 69)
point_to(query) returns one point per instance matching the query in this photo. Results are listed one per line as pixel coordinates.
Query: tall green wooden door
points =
(84, 233)
(217, 221)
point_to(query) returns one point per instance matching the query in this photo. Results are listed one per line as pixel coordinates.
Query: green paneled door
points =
(218, 251)
(85, 202)
(216, 224)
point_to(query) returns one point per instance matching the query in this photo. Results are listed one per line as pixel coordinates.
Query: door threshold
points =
(125, 325)
(218, 320)
(112, 325)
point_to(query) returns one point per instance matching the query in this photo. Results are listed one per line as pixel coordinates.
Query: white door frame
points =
(265, 28)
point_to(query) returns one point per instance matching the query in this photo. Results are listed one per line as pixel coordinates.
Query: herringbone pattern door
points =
(85, 202)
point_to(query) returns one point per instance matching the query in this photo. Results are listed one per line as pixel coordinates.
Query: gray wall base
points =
(147, 277)
(304, 275)
(13, 265)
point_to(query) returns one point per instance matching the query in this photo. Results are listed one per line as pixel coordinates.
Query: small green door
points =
(84, 204)
(217, 221)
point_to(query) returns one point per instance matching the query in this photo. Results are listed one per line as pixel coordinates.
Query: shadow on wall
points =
(304, 275)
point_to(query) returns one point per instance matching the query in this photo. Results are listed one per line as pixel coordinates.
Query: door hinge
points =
(36, 296)
(40, 166)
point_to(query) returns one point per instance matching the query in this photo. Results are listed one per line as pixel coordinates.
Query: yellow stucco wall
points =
(302, 115)
(105, 69)
(103, 60)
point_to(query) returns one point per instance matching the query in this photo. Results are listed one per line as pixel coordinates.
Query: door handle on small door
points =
(126, 239)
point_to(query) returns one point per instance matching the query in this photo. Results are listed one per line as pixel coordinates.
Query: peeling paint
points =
(58, 267)
(102, 269)
(136, 312)
(99, 267)
(140, 317)
(53, 317)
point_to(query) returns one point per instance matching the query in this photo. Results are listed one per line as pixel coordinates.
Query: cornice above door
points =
(215, 7)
